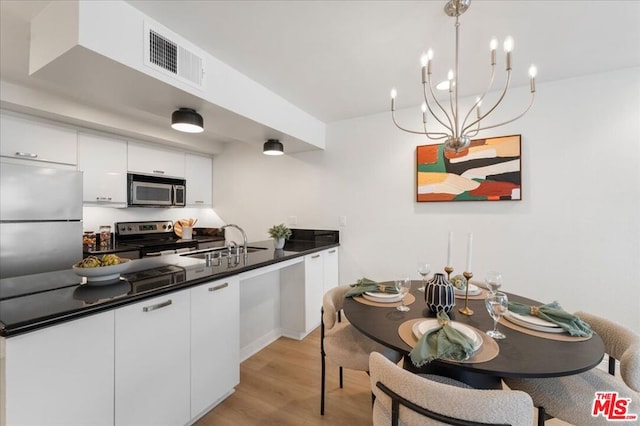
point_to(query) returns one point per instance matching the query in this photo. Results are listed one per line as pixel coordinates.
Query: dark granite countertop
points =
(35, 301)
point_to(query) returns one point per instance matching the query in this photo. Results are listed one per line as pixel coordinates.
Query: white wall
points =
(575, 236)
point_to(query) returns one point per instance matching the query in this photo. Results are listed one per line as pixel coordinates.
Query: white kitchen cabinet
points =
(306, 282)
(152, 361)
(330, 269)
(60, 375)
(215, 342)
(37, 140)
(198, 173)
(155, 160)
(103, 161)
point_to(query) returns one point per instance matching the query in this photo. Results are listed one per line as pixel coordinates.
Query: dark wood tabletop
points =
(521, 355)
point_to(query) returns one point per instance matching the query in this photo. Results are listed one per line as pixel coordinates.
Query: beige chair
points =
(571, 398)
(342, 343)
(405, 398)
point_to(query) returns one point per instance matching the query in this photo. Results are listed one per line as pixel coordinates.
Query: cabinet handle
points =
(199, 202)
(26, 154)
(103, 198)
(332, 251)
(158, 306)
(219, 287)
(160, 172)
(316, 256)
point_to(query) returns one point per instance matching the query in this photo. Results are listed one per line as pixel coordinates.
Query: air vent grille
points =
(163, 52)
(170, 56)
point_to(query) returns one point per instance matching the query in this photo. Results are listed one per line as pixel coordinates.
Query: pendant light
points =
(187, 120)
(273, 147)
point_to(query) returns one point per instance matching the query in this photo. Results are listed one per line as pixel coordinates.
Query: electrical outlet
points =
(342, 221)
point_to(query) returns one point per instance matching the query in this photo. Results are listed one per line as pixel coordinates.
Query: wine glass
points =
(403, 285)
(493, 279)
(423, 269)
(497, 305)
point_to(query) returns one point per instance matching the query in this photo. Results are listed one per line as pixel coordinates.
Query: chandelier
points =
(459, 131)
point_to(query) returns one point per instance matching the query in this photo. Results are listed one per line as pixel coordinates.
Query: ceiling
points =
(339, 59)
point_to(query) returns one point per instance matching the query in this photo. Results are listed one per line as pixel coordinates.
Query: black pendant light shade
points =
(187, 120)
(273, 147)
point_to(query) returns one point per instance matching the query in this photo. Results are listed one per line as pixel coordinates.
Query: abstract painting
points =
(488, 170)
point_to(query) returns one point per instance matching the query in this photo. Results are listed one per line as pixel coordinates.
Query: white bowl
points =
(102, 273)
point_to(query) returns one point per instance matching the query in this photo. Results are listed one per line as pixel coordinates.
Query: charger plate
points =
(488, 351)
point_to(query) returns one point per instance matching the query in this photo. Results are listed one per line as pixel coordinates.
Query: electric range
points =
(152, 238)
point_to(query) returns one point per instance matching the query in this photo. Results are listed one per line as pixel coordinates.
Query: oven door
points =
(150, 194)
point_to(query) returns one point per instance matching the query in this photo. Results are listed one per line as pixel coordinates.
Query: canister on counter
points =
(105, 237)
(89, 239)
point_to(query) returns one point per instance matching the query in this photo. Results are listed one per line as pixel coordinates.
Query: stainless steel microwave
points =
(155, 191)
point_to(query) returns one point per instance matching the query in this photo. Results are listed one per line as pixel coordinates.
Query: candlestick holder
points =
(466, 310)
(448, 270)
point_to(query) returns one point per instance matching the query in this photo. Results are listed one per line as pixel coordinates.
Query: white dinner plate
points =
(382, 297)
(529, 322)
(474, 290)
(421, 327)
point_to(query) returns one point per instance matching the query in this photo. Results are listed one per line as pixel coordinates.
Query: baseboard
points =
(259, 344)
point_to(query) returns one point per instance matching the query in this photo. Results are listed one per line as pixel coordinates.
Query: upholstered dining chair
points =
(403, 397)
(342, 343)
(571, 398)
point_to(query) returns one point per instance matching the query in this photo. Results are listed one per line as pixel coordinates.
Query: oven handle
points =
(158, 306)
(160, 253)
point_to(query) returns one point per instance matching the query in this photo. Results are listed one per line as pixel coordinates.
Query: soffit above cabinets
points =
(93, 54)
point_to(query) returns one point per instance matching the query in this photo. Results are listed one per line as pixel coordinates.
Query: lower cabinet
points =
(61, 375)
(306, 282)
(215, 342)
(152, 361)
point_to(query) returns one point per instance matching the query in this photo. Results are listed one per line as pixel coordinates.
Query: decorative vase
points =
(439, 294)
(278, 243)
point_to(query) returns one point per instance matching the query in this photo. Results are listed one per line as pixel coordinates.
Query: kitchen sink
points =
(201, 254)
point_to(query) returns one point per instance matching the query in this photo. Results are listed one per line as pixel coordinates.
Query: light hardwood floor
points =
(280, 385)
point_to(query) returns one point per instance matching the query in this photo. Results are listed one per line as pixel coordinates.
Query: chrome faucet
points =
(244, 237)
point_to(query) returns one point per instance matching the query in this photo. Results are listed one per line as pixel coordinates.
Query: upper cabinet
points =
(36, 140)
(104, 163)
(198, 173)
(152, 160)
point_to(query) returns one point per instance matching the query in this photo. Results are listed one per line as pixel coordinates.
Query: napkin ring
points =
(535, 310)
(442, 323)
(382, 288)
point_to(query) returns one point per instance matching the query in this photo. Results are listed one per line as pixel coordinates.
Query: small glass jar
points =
(89, 239)
(105, 237)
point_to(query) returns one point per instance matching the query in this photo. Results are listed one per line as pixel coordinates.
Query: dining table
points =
(521, 354)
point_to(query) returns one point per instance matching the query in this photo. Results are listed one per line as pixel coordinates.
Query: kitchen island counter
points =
(31, 302)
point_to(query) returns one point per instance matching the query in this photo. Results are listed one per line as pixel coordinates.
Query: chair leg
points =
(322, 386)
(541, 416)
(340, 377)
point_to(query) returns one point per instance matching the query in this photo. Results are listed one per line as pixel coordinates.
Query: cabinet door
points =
(61, 375)
(103, 162)
(198, 172)
(331, 271)
(153, 160)
(314, 289)
(215, 342)
(152, 361)
(32, 139)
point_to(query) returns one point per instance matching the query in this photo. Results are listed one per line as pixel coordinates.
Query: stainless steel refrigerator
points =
(40, 219)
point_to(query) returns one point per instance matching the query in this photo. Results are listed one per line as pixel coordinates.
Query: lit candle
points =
(469, 248)
(449, 248)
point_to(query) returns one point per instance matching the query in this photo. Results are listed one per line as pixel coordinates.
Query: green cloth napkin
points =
(442, 342)
(365, 284)
(554, 313)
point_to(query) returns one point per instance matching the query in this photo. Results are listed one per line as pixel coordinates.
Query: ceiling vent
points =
(170, 56)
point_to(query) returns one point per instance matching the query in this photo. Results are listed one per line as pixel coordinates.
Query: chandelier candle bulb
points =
(424, 113)
(508, 47)
(533, 71)
(394, 93)
(493, 46)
